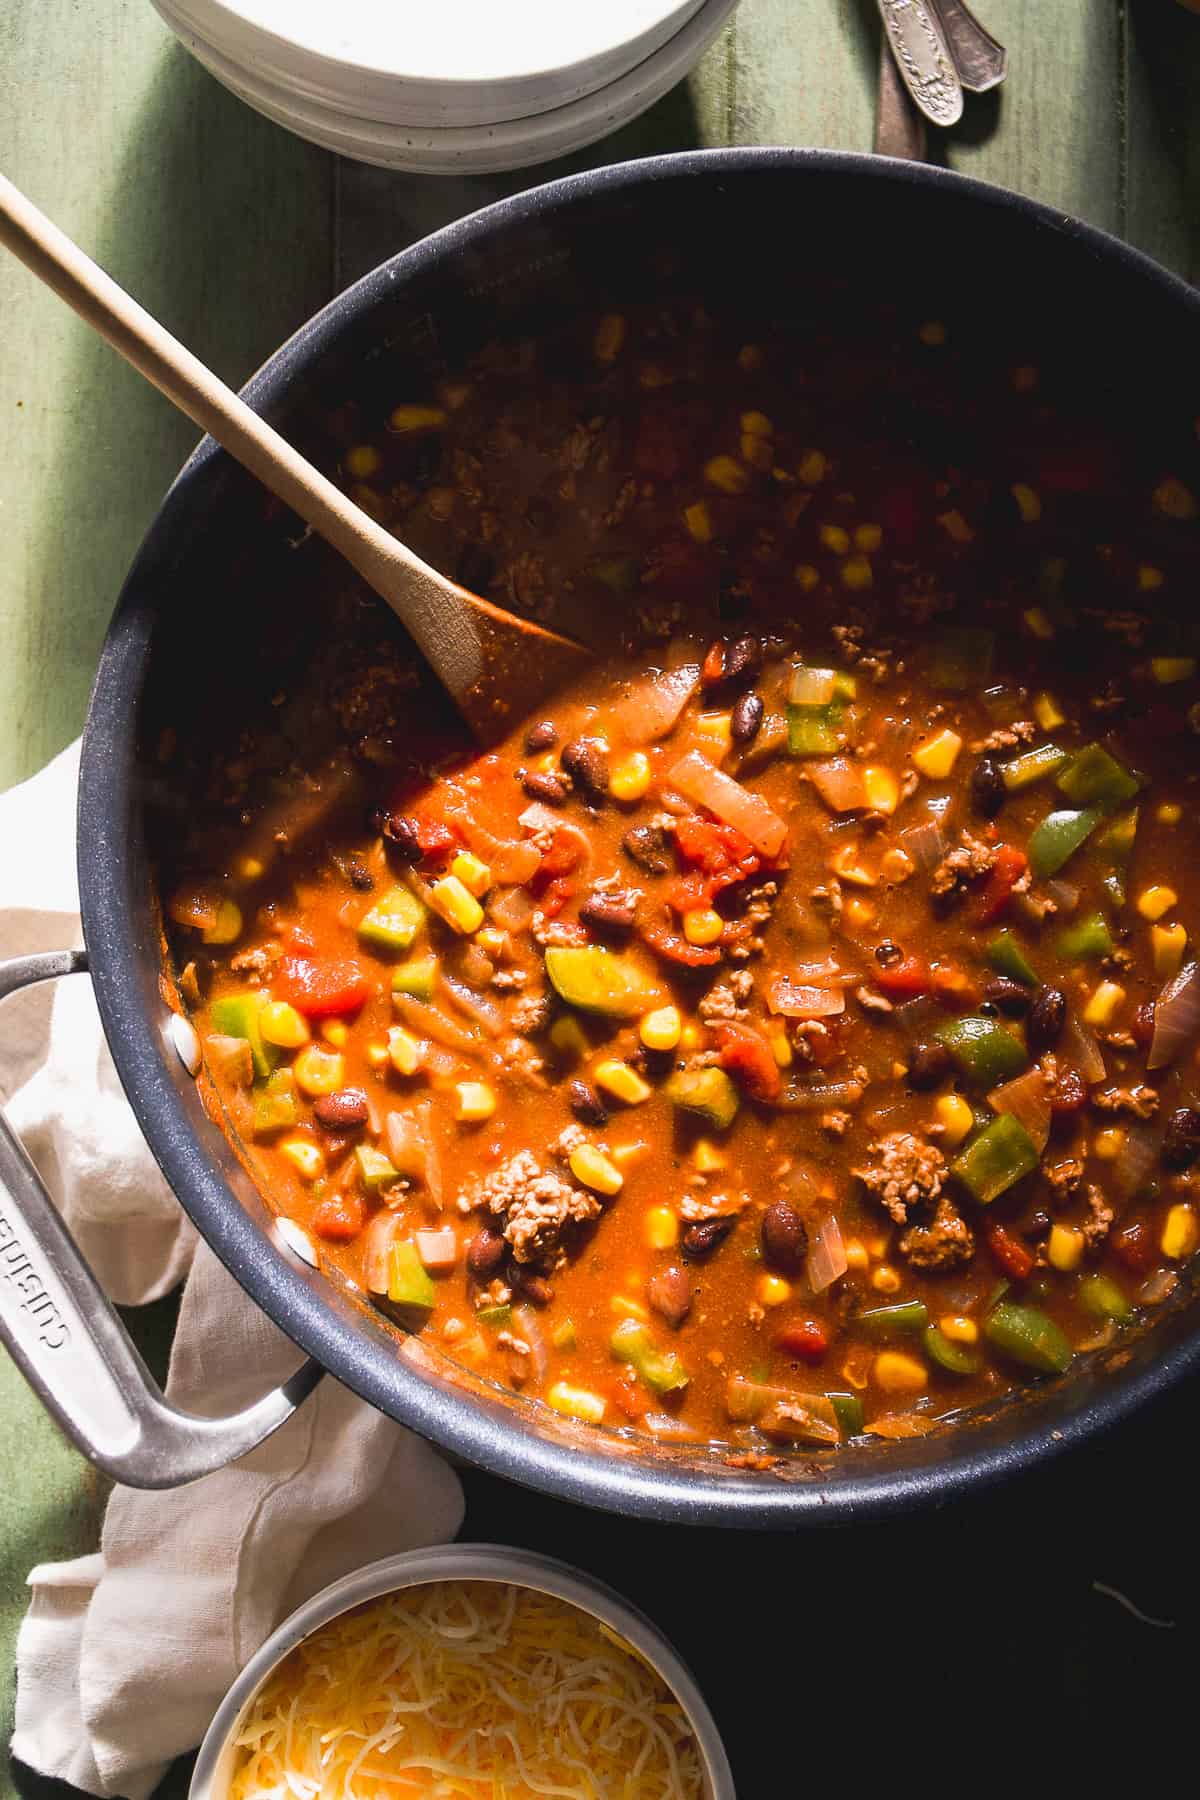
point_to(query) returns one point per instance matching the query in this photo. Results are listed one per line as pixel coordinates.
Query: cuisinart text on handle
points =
(19, 1273)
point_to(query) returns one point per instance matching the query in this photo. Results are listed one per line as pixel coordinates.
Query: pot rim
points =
(107, 803)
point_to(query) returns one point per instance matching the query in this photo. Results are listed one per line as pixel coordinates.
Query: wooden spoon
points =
(489, 660)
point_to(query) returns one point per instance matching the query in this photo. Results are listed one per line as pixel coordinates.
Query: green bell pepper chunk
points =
(996, 1158)
(1094, 778)
(884, 1321)
(849, 1411)
(495, 1318)
(661, 1370)
(709, 1092)
(393, 922)
(236, 1015)
(415, 977)
(1116, 840)
(1058, 837)
(1031, 766)
(275, 1104)
(1086, 941)
(962, 658)
(815, 730)
(1006, 956)
(1028, 1337)
(1100, 1295)
(985, 1052)
(374, 1168)
(956, 1359)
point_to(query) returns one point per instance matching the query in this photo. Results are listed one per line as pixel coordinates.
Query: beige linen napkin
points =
(124, 1655)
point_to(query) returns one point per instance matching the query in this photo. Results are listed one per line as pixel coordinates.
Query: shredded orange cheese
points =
(466, 1691)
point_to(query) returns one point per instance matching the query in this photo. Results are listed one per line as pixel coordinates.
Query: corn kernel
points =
(305, 1158)
(856, 574)
(610, 337)
(813, 467)
(725, 473)
(717, 731)
(882, 789)
(1180, 1233)
(1167, 670)
(846, 865)
(474, 874)
(955, 526)
(628, 1153)
(750, 357)
(885, 1279)
(691, 1036)
(1047, 712)
(937, 756)
(759, 452)
(492, 940)
(1109, 1143)
(249, 868)
(1153, 902)
(377, 1055)
(835, 538)
(868, 537)
(707, 1157)
(363, 461)
(281, 1024)
(807, 577)
(1167, 942)
(335, 1032)
(773, 1290)
(660, 1029)
(702, 925)
(698, 520)
(1038, 623)
(896, 865)
(405, 1052)
(932, 333)
(1104, 1002)
(473, 1101)
(781, 1048)
(858, 912)
(1149, 578)
(226, 927)
(661, 1228)
(856, 1254)
(955, 1118)
(576, 1402)
(592, 1169)
(897, 1373)
(319, 1072)
(630, 779)
(958, 1328)
(1169, 813)
(625, 1308)
(624, 1083)
(1065, 1247)
(757, 424)
(456, 904)
(1029, 503)
(417, 418)
(1174, 500)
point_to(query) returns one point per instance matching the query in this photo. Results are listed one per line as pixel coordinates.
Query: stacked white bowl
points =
(448, 86)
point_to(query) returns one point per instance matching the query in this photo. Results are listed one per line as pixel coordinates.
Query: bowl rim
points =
(466, 1562)
(146, 1064)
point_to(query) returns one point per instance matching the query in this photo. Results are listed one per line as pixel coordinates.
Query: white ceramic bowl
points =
(458, 1562)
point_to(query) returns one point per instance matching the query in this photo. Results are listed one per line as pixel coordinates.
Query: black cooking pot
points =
(760, 227)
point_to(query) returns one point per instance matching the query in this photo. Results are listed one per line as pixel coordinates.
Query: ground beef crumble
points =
(727, 999)
(1140, 1101)
(969, 861)
(1007, 737)
(904, 1173)
(943, 1243)
(535, 1204)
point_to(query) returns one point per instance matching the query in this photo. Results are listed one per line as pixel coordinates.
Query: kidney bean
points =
(1181, 1139)
(743, 660)
(400, 832)
(987, 787)
(1008, 995)
(551, 789)
(587, 765)
(647, 845)
(609, 913)
(586, 1103)
(701, 1239)
(535, 1287)
(343, 1111)
(542, 736)
(670, 1294)
(1142, 1028)
(784, 1238)
(746, 717)
(1047, 1016)
(888, 953)
(485, 1252)
(928, 1066)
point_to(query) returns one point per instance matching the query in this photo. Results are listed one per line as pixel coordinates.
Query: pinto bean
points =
(670, 1294)
(784, 1237)
(485, 1252)
(343, 1111)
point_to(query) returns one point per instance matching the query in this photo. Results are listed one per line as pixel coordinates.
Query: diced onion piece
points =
(826, 1260)
(900, 1425)
(513, 909)
(438, 1250)
(704, 785)
(925, 844)
(654, 706)
(526, 1321)
(378, 1239)
(476, 1006)
(1064, 894)
(1176, 1016)
(538, 817)
(1028, 1102)
(839, 781)
(799, 1002)
(668, 1429)
(811, 687)
(430, 1021)
(1137, 1158)
(814, 1096)
(1079, 1046)
(410, 1145)
(231, 1058)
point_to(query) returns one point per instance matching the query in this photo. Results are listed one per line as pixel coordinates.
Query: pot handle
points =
(72, 1348)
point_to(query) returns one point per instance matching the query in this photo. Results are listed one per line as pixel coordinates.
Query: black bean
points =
(586, 1103)
(987, 787)
(485, 1252)
(700, 1240)
(1039, 1226)
(928, 1066)
(586, 762)
(1181, 1139)
(746, 717)
(343, 1111)
(550, 789)
(1047, 1016)
(670, 1294)
(1010, 996)
(610, 914)
(784, 1238)
(888, 953)
(542, 736)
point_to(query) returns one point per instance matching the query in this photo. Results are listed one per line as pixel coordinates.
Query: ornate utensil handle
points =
(981, 61)
(923, 58)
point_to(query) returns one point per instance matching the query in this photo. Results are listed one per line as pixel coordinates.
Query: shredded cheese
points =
(466, 1691)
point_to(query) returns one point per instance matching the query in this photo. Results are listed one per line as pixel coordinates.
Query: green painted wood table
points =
(233, 232)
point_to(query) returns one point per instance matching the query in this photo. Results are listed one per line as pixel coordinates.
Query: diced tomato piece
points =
(340, 1218)
(559, 858)
(1007, 870)
(318, 989)
(1135, 1246)
(629, 1396)
(1014, 1257)
(714, 847)
(903, 980)
(1068, 1094)
(673, 948)
(436, 839)
(803, 1337)
(688, 893)
(952, 987)
(555, 897)
(713, 668)
(825, 1045)
(746, 1054)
